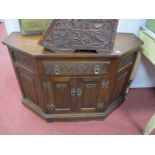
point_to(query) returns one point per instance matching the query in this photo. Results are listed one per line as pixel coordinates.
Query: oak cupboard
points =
(80, 85)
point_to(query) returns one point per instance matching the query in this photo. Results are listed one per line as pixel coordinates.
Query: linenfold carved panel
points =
(68, 35)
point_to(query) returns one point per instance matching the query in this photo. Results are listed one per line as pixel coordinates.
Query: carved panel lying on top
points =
(68, 35)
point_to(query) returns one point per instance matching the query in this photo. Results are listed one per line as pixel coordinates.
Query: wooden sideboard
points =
(80, 85)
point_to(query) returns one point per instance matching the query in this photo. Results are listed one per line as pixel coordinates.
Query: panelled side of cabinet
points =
(108, 84)
(24, 69)
(28, 84)
(120, 84)
(125, 66)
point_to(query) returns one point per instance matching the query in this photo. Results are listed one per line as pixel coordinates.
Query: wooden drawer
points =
(79, 68)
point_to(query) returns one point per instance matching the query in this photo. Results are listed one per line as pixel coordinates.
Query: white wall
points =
(145, 76)
(130, 25)
(11, 25)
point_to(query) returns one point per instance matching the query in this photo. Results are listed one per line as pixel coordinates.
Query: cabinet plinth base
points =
(73, 116)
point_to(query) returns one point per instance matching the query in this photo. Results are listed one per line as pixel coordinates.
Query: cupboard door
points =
(121, 83)
(27, 83)
(60, 95)
(91, 96)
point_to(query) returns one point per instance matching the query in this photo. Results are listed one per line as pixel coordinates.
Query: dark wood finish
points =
(28, 85)
(72, 86)
(69, 35)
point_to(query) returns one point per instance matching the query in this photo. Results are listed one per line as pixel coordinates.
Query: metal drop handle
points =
(56, 70)
(96, 69)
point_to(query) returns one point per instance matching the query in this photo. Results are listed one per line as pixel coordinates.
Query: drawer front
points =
(72, 68)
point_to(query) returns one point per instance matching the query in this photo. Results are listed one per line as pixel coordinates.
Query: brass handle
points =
(76, 92)
(79, 92)
(105, 84)
(56, 70)
(100, 105)
(73, 92)
(96, 69)
(51, 107)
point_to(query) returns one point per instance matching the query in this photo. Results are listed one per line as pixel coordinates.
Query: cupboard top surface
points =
(125, 42)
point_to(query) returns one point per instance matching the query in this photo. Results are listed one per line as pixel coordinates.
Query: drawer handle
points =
(56, 70)
(96, 69)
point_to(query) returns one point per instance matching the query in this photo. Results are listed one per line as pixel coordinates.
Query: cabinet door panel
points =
(120, 84)
(93, 96)
(89, 94)
(28, 85)
(59, 98)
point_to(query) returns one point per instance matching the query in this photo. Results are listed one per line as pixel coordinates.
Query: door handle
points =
(76, 92)
(79, 92)
(73, 92)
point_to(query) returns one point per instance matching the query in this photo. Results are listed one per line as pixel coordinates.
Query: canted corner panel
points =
(126, 61)
(28, 86)
(120, 84)
(23, 60)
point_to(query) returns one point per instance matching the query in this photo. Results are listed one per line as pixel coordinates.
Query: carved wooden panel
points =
(68, 35)
(93, 97)
(28, 86)
(120, 84)
(23, 60)
(58, 94)
(126, 60)
(58, 68)
(89, 93)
